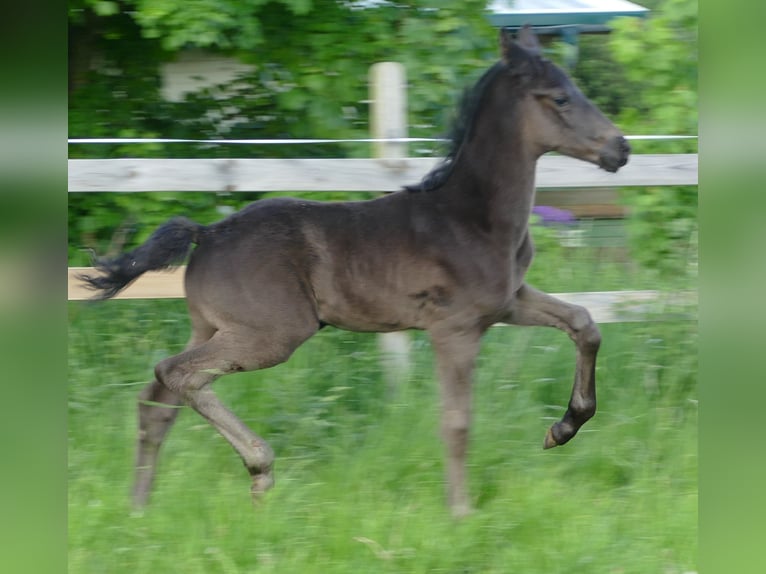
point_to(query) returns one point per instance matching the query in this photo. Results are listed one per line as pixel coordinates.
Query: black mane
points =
(466, 116)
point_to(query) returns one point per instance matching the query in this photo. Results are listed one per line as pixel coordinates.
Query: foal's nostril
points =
(623, 145)
(623, 150)
(615, 153)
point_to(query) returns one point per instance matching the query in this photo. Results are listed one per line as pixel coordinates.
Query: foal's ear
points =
(528, 40)
(514, 52)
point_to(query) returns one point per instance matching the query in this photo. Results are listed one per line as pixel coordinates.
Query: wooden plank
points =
(558, 172)
(565, 198)
(601, 202)
(605, 306)
(152, 285)
(373, 175)
(633, 306)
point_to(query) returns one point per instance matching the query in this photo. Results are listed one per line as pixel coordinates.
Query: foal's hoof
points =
(261, 483)
(550, 440)
(461, 511)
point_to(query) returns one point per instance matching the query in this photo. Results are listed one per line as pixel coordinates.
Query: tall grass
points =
(359, 466)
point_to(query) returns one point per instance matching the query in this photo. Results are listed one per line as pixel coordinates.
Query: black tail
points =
(167, 246)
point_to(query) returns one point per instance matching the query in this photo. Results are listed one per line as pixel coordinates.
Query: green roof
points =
(587, 15)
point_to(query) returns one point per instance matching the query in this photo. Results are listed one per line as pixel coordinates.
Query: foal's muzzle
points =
(614, 154)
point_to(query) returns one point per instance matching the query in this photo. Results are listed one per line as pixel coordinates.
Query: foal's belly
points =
(377, 310)
(385, 309)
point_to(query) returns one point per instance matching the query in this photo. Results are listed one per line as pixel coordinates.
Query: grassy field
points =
(359, 465)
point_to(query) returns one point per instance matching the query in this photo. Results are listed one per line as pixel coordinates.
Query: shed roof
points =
(586, 15)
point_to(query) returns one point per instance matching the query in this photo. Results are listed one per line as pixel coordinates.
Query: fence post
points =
(388, 119)
(388, 110)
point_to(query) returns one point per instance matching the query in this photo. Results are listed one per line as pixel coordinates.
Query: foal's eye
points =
(561, 101)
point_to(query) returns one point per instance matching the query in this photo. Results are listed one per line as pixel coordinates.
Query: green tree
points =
(659, 55)
(643, 75)
(310, 58)
(659, 58)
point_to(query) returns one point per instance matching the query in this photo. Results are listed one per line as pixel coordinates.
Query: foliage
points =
(643, 75)
(663, 226)
(310, 70)
(659, 57)
(601, 77)
(310, 67)
(310, 63)
(359, 472)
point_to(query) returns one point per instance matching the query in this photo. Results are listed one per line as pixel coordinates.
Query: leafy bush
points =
(659, 58)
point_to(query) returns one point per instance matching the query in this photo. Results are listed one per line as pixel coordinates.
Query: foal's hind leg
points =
(191, 373)
(158, 408)
(535, 308)
(154, 422)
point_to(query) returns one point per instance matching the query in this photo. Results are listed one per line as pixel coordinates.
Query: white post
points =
(388, 109)
(388, 120)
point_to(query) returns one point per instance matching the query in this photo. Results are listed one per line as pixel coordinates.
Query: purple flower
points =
(553, 215)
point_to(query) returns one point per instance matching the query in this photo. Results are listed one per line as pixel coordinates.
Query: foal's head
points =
(553, 112)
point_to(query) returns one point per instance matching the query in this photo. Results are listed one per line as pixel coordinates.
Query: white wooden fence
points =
(389, 171)
(371, 175)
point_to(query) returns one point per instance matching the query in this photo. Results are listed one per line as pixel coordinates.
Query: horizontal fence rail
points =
(312, 141)
(374, 175)
(371, 175)
(604, 306)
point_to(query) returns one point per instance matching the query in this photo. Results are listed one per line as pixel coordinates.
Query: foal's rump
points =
(252, 268)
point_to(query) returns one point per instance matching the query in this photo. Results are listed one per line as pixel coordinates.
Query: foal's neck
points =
(495, 179)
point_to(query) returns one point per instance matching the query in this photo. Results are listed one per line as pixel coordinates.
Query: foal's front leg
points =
(455, 357)
(535, 308)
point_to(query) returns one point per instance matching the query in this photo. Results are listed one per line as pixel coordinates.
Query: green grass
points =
(359, 467)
